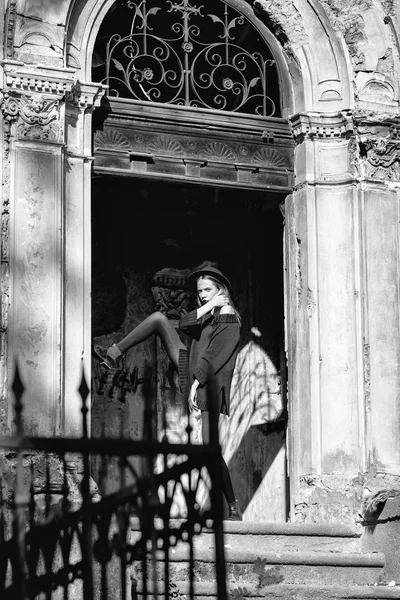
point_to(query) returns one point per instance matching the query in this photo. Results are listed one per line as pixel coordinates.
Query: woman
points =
(214, 328)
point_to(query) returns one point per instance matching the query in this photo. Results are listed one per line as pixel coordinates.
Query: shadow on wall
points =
(256, 461)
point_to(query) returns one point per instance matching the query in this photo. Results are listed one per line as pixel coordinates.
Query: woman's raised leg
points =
(154, 324)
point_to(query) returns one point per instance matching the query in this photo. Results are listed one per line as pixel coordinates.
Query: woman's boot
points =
(109, 356)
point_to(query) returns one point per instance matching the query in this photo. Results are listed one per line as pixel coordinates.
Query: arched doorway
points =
(318, 82)
(183, 174)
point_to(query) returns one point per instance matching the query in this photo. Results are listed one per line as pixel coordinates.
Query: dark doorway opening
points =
(140, 226)
(147, 225)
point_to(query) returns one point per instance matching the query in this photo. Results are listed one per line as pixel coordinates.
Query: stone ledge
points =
(290, 591)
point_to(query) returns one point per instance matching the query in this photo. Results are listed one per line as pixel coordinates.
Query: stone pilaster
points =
(32, 222)
(339, 293)
(80, 102)
(378, 154)
(37, 267)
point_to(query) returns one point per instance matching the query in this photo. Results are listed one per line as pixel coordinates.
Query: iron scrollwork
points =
(185, 53)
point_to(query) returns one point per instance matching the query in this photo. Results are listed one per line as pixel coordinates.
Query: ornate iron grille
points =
(189, 53)
(71, 539)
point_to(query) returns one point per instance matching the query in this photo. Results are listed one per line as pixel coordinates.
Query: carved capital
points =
(321, 126)
(39, 118)
(35, 117)
(31, 103)
(380, 149)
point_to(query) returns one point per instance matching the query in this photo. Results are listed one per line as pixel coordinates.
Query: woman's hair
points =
(221, 286)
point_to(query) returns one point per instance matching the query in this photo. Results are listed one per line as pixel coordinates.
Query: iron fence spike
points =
(18, 389)
(83, 388)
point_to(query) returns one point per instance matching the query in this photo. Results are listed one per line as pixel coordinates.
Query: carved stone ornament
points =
(170, 293)
(354, 157)
(269, 157)
(111, 139)
(381, 144)
(165, 145)
(36, 117)
(39, 118)
(11, 13)
(10, 105)
(85, 95)
(219, 152)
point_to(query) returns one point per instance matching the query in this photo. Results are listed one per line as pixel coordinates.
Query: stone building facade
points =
(331, 160)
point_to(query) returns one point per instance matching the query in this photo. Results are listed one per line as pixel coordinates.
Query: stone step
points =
(289, 567)
(208, 591)
(263, 537)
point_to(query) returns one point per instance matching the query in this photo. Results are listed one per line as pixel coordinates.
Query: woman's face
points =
(206, 290)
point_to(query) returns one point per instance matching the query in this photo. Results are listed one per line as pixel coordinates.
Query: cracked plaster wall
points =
(369, 31)
(39, 34)
(285, 20)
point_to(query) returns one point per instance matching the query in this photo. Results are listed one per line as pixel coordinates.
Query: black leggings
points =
(226, 478)
(155, 324)
(159, 324)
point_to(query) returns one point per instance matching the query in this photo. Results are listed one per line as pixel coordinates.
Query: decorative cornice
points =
(37, 79)
(321, 126)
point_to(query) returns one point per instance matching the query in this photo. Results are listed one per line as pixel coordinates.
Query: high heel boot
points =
(109, 357)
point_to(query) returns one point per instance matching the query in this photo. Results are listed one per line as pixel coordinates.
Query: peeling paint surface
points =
(284, 19)
(35, 305)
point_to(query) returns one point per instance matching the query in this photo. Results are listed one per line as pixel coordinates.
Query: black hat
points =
(207, 268)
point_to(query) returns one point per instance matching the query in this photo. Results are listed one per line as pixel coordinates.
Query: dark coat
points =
(213, 350)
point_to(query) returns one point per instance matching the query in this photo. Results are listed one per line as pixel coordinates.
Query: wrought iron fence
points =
(66, 532)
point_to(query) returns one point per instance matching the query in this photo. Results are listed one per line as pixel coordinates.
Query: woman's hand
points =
(220, 299)
(192, 395)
